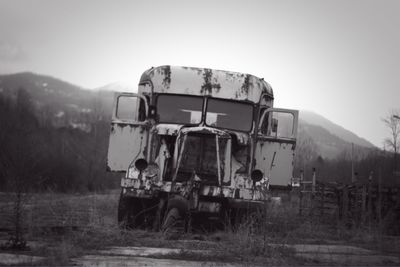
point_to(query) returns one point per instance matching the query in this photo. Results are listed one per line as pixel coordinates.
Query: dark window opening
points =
(126, 107)
(163, 147)
(179, 109)
(278, 125)
(240, 157)
(142, 110)
(231, 115)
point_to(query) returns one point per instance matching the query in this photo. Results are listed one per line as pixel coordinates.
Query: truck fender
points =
(179, 202)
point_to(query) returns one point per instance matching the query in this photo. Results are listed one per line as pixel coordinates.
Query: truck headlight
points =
(141, 164)
(142, 170)
(256, 175)
(138, 168)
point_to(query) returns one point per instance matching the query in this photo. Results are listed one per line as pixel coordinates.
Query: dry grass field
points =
(62, 227)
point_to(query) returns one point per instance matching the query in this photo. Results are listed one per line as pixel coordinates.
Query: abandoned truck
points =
(198, 143)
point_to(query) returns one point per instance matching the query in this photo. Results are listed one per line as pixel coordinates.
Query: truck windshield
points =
(179, 109)
(229, 115)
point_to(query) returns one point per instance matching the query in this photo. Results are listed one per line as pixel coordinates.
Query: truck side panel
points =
(127, 143)
(275, 160)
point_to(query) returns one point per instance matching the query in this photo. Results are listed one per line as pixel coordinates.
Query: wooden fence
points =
(354, 205)
(367, 203)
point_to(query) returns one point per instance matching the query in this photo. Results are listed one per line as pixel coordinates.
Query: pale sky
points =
(340, 59)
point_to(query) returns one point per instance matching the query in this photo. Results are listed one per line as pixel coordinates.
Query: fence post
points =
(302, 188)
(345, 203)
(369, 203)
(379, 193)
(301, 177)
(355, 208)
(363, 204)
(314, 178)
(314, 199)
(323, 200)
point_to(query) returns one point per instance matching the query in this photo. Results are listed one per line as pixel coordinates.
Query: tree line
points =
(362, 165)
(38, 156)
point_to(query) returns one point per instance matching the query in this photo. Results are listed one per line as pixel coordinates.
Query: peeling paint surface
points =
(205, 129)
(127, 143)
(242, 138)
(241, 180)
(146, 188)
(167, 129)
(275, 160)
(215, 83)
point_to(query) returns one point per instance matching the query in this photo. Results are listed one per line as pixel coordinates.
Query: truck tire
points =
(125, 212)
(174, 224)
(130, 213)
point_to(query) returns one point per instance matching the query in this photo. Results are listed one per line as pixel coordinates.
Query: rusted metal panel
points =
(205, 129)
(147, 187)
(198, 81)
(127, 143)
(275, 160)
(167, 129)
(174, 129)
(274, 151)
(128, 136)
(241, 180)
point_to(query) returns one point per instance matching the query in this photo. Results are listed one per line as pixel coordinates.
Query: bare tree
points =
(392, 121)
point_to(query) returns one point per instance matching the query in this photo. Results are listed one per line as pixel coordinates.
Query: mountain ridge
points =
(312, 117)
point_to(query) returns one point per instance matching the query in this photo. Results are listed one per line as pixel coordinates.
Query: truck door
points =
(129, 131)
(276, 140)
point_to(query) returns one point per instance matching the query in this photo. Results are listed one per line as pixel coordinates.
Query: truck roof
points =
(202, 81)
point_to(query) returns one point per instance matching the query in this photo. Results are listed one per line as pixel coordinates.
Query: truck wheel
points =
(174, 224)
(126, 214)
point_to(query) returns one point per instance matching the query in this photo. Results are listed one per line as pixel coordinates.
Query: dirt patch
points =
(19, 259)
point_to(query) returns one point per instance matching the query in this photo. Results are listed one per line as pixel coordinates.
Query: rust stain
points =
(246, 84)
(208, 85)
(218, 83)
(167, 76)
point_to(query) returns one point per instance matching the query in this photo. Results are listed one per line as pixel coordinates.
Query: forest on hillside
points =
(375, 165)
(36, 155)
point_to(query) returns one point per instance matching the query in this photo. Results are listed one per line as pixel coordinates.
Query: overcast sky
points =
(340, 59)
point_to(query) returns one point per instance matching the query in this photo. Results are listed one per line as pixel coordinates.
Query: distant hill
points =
(329, 139)
(58, 102)
(315, 119)
(67, 105)
(56, 132)
(118, 87)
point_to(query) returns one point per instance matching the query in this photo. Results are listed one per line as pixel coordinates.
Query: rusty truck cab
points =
(194, 141)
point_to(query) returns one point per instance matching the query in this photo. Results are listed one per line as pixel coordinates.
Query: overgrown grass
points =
(243, 244)
(261, 239)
